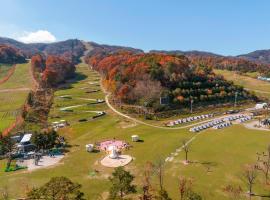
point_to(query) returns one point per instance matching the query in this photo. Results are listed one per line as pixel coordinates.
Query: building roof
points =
(26, 138)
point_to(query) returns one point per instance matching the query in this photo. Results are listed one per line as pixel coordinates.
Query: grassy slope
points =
(20, 79)
(226, 150)
(11, 101)
(261, 88)
(4, 68)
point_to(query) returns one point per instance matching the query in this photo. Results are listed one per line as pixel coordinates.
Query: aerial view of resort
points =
(134, 100)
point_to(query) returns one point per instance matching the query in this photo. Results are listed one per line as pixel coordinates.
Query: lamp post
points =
(191, 105)
(235, 99)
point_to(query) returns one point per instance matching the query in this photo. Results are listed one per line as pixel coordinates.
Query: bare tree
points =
(160, 173)
(234, 192)
(264, 165)
(147, 187)
(186, 148)
(184, 186)
(250, 175)
(147, 89)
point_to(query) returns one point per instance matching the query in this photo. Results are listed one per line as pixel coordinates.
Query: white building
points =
(259, 106)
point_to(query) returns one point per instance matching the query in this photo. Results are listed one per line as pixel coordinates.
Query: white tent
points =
(260, 106)
(26, 138)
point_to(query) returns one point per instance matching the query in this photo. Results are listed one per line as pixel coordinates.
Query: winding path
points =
(107, 96)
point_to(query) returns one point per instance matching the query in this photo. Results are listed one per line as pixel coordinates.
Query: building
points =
(259, 106)
(25, 144)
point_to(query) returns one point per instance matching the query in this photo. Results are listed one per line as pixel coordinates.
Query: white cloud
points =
(40, 36)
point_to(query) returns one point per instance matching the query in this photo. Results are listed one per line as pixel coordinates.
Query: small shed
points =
(135, 138)
(89, 147)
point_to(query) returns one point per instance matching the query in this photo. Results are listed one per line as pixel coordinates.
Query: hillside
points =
(141, 79)
(241, 64)
(71, 49)
(262, 56)
(10, 55)
(186, 53)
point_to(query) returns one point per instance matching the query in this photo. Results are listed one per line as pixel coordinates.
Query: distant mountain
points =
(186, 53)
(109, 49)
(72, 49)
(257, 61)
(262, 56)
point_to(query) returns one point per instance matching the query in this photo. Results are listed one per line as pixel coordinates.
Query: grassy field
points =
(261, 88)
(12, 99)
(20, 79)
(224, 151)
(4, 68)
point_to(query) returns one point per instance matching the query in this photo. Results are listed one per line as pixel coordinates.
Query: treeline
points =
(48, 74)
(10, 55)
(143, 79)
(232, 64)
(52, 70)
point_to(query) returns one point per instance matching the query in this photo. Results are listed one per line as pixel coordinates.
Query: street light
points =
(191, 105)
(235, 99)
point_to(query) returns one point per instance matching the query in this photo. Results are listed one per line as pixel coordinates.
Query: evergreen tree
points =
(121, 181)
(58, 188)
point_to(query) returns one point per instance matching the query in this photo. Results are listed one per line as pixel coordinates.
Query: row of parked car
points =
(221, 123)
(234, 117)
(206, 125)
(244, 119)
(189, 119)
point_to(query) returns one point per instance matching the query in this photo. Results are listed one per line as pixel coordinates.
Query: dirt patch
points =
(45, 162)
(127, 124)
(255, 125)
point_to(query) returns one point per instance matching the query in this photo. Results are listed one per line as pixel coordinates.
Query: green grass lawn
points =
(261, 88)
(4, 68)
(226, 151)
(12, 101)
(20, 79)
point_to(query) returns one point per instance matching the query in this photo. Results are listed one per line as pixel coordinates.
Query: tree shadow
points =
(262, 195)
(77, 78)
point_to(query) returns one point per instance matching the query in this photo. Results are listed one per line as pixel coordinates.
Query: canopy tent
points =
(26, 138)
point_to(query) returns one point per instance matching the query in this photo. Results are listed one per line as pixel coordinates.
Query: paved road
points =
(107, 96)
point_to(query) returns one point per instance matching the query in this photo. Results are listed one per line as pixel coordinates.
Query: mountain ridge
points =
(76, 47)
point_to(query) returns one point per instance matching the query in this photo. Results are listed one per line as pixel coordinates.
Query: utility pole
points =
(235, 99)
(191, 105)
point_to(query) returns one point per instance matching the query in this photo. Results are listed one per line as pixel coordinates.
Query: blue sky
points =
(228, 27)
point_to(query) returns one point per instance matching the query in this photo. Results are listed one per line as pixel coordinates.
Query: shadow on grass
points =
(95, 151)
(262, 195)
(78, 77)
